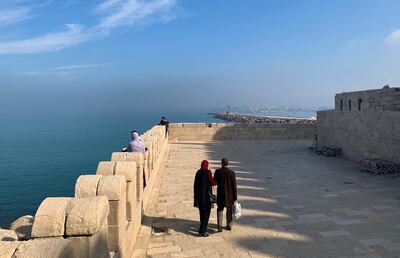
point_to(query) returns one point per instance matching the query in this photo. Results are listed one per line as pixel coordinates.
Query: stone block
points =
(118, 156)
(8, 235)
(86, 216)
(113, 187)
(116, 237)
(50, 217)
(105, 168)
(8, 248)
(117, 213)
(23, 227)
(45, 248)
(127, 169)
(91, 246)
(86, 186)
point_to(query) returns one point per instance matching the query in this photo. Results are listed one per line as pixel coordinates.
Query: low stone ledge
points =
(23, 227)
(45, 248)
(86, 216)
(50, 217)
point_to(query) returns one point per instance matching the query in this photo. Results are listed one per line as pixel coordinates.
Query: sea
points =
(43, 155)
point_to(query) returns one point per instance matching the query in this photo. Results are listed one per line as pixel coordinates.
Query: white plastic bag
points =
(237, 210)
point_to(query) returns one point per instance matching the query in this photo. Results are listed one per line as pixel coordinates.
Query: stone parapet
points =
(223, 131)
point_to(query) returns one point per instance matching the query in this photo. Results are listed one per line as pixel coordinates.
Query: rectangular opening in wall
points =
(341, 104)
(349, 104)
(359, 104)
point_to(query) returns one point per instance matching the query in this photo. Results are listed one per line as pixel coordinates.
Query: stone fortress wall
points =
(364, 124)
(220, 131)
(103, 218)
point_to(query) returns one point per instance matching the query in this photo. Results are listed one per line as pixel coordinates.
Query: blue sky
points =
(109, 54)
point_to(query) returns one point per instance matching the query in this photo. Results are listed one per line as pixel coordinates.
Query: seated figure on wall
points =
(136, 145)
(164, 121)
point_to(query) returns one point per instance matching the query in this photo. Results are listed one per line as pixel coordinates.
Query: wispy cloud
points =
(14, 15)
(113, 14)
(74, 35)
(393, 37)
(75, 67)
(134, 12)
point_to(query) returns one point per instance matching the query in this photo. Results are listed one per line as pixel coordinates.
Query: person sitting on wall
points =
(164, 121)
(136, 145)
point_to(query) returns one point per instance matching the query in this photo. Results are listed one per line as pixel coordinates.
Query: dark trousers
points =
(220, 216)
(204, 217)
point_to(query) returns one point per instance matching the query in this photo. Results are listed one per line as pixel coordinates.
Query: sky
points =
(112, 55)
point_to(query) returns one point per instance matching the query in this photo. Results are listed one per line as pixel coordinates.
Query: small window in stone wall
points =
(359, 104)
(341, 104)
(350, 104)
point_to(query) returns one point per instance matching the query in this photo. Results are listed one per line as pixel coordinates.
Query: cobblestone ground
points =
(295, 204)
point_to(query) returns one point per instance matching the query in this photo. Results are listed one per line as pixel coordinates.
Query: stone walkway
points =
(295, 204)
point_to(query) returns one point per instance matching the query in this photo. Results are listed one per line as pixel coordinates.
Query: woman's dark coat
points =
(202, 188)
(227, 187)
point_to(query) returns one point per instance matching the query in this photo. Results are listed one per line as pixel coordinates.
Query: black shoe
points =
(206, 233)
(203, 234)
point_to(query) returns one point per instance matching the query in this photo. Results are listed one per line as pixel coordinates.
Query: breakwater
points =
(255, 119)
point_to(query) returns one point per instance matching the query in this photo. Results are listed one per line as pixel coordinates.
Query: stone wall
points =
(222, 131)
(103, 218)
(369, 100)
(361, 134)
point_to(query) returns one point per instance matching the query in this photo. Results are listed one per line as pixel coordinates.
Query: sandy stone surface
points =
(294, 204)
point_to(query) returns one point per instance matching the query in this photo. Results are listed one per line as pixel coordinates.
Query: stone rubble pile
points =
(379, 167)
(328, 151)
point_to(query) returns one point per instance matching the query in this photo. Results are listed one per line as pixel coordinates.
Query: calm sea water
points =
(42, 155)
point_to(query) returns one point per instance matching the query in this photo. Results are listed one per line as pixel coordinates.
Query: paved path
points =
(295, 204)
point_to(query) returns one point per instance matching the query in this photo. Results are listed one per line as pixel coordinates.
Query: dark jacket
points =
(201, 189)
(227, 187)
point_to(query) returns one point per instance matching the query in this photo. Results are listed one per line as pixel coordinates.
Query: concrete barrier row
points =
(104, 216)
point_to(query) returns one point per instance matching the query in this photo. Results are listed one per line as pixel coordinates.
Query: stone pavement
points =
(294, 204)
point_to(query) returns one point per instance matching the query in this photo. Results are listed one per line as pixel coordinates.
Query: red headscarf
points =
(204, 164)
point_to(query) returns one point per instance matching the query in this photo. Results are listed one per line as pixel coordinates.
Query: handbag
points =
(213, 197)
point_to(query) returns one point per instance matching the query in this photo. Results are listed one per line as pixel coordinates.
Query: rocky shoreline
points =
(254, 119)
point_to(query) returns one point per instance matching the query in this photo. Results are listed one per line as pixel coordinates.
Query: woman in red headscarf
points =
(203, 183)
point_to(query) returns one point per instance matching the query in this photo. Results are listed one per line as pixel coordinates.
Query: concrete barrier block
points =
(86, 186)
(127, 169)
(105, 168)
(8, 235)
(23, 227)
(86, 216)
(94, 246)
(50, 217)
(8, 248)
(117, 213)
(45, 248)
(113, 187)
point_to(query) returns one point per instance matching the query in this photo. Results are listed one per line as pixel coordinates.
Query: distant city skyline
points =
(114, 55)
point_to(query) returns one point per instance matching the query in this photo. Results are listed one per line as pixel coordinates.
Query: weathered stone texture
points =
(86, 186)
(86, 216)
(361, 134)
(50, 217)
(23, 227)
(8, 248)
(127, 169)
(113, 187)
(105, 168)
(8, 235)
(45, 248)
